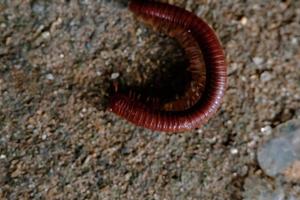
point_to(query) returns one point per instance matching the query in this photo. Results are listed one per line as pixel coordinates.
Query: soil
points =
(58, 141)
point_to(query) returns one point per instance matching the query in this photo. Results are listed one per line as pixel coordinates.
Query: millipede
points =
(207, 67)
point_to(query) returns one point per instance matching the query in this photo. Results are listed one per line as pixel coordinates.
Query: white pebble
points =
(2, 25)
(139, 32)
(258, 60)
(46, 34)
(114, 75)
(294, 41)
(244, 21)
(200, 131)
(50, 77)
(267, 130)
(44, 136)
(243, 78)
(99, 73)
(234, 151)
(212, 140)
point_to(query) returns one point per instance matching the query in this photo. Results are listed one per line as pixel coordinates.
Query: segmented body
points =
(207, 66)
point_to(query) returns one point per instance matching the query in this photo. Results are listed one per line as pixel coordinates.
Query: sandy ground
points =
(57, 141)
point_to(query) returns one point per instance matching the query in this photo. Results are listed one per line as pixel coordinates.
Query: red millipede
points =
(207, 66)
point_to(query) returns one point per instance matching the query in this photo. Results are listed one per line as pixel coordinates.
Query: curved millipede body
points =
(206, 64)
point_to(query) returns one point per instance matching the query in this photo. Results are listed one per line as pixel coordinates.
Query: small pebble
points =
(50, 77)
(8, 41)
(294, 41)
(244, 21)
(139, 32)
(234, 151)
(267, 130)
(44, 136)
(199, 131)
(266, 76)
(114, 75)
(251, 144)
(46, 35)
(258, 60)
(104, 54)
(99, 73)
(3, 25)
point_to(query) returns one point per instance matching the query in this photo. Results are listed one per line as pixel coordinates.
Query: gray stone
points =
(266, 76)
(280, 153)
